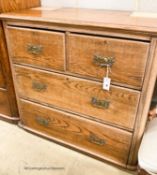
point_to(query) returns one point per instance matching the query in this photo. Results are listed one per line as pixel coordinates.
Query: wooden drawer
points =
(86, 53)
(79, 96)
(38, 48)
(4, 103)
(92, 137)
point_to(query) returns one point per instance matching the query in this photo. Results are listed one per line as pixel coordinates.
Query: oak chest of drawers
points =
(59, 59)
(8, 105)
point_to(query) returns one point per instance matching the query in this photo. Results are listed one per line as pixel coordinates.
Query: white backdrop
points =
(103, 4)
(145, 5)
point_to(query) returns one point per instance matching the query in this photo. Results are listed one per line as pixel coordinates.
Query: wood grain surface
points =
(102, 140)
(38, 48)
(11, 5)
(130, 58)
(91, 18)
(7, 76)
(74, 94)
(4, 103)
(2, 81)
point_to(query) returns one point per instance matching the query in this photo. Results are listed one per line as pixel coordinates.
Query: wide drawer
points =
(38, 48)
(100, 140)
(90, 55)
(4, 103)
(117, 107)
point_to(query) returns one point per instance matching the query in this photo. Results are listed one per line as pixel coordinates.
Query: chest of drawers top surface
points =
(87, 17)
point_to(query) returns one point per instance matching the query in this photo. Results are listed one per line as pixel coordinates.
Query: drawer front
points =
(37, 48)
(100, 140)
(89, 56)
(4, 104)
(79, 96)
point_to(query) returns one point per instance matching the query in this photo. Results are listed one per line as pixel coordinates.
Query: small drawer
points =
(4, 104)
(37, 48)
(117, 106)
(91, 137)
(90, 55)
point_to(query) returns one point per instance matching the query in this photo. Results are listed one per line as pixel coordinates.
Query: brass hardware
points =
(103, 61)
(42, 121)
(38, 86)
(96, 140)
(100, 103)
(34, 49)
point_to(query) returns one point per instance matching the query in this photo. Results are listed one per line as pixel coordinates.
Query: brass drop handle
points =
(103, 61)
(96, 140)
(34, 49)
(42, 121)
(38, 86)
(100, 103)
